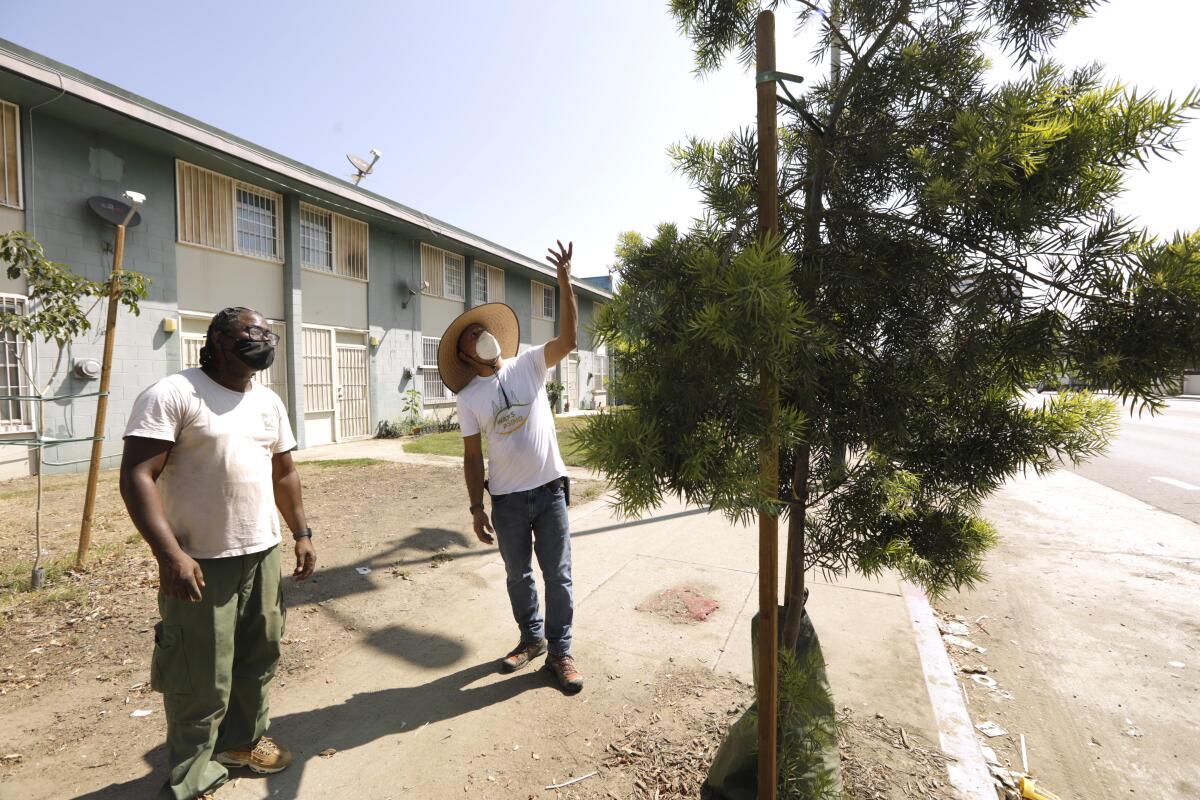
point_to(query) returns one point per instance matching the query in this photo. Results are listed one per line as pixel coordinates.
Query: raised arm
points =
(568, 324)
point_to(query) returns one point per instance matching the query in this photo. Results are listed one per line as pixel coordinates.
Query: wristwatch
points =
(476, 507)
(306, 533)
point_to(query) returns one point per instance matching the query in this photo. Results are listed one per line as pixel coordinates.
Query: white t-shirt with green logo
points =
(216, 486)
(511, 409)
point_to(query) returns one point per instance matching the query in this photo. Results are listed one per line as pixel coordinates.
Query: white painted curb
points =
(969, 773)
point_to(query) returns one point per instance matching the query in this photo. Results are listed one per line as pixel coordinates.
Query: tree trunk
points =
(794, 584)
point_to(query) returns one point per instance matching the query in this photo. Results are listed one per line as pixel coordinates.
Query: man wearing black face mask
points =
(207, 462)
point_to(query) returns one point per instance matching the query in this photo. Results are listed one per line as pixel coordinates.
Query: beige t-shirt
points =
(216, 486)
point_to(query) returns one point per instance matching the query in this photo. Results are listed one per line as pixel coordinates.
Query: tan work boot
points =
(266, 757)
(522, 654)
(565, 672)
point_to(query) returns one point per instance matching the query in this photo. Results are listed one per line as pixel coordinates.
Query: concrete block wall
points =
(394, 316)
(71, 165)
(142, 354)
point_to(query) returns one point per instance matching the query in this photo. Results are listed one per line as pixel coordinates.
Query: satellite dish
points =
(112, 211)
(364, 169)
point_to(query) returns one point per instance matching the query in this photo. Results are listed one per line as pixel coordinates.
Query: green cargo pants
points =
(212, 663)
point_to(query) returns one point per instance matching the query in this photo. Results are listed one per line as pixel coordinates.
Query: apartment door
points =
(573, 381)
(353, 410)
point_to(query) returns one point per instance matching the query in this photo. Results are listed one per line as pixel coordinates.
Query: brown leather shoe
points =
(522, 654)
(266, 757)
(565, 672)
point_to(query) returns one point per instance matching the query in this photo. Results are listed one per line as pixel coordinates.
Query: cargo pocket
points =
(169, 667)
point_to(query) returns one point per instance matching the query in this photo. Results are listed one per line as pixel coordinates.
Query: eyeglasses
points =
(256, 334)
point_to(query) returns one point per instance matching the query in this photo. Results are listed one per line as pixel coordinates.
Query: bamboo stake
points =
(110, 335)
(768, 523)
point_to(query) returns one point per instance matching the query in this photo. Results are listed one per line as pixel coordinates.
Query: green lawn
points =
(450, 444)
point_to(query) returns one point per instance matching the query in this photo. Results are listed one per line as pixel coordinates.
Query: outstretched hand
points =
(561, 259)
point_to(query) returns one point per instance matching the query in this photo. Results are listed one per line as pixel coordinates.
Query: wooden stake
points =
(110, 336)
(768, 524)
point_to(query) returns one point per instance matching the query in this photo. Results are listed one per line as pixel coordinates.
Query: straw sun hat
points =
(499, 320)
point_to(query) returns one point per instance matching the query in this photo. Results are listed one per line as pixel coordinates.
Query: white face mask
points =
(486, 347)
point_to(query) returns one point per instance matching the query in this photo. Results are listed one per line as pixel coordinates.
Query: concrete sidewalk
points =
(424, 673)
(393, 450)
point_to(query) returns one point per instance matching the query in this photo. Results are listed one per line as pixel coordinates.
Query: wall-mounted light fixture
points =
(168, 324)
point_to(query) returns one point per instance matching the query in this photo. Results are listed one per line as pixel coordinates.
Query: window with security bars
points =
(14, 414)
(600, 374)
(432, 388)
(214, 210)
(257, 214)
(10, 156)
(442, 272)
(487, 284)
(543, 300)
(191, 344)
(318, 369)
(316, 238)
(333, 243)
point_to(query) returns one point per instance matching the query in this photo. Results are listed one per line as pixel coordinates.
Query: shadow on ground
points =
(364, 717)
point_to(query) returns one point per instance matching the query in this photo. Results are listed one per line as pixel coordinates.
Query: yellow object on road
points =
(1030, 791)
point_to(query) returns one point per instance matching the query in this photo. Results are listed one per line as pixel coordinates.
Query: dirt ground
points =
(74, 665)
(1089, 624)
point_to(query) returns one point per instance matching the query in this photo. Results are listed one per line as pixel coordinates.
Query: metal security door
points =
(573, 381)
(352, 401)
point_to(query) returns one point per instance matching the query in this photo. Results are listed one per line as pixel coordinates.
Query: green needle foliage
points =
(945, 244)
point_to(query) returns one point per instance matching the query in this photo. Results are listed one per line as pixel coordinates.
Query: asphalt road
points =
(1155, 459)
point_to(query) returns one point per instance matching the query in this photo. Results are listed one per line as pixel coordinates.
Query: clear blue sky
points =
(522, 121)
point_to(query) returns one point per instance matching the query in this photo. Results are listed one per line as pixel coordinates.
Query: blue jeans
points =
(536, 522)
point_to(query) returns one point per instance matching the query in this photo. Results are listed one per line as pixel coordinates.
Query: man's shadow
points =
(366, 716)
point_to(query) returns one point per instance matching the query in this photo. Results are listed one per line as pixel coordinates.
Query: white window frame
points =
(537, 293)
(226, 207)
(263, 196)
(600, 368)
(342, 231)
(23, 422)
(434, 263)
(312, 217)
(492, 284)
(429, 369)
(479, 283)
(17, 166)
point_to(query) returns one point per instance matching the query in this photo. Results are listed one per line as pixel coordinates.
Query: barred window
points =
(10, 156)
(316, 238)
(257, 213)
(216, 211)
(432, 388)
(14, 414)
(543, 300)
(442, 273)
(487, 284)
(350, 246)
(600, 374)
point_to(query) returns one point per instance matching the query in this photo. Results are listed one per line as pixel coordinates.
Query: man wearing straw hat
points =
(503, 395)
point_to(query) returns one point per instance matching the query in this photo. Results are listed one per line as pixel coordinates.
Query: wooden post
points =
(768, 523)
(110, 335)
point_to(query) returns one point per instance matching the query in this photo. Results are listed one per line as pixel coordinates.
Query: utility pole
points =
(768, 522)
(110, 336)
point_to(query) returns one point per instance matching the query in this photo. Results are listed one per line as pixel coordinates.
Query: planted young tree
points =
(945, 242)
(57, 299)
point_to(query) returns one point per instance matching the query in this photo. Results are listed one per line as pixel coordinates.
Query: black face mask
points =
(256, 355)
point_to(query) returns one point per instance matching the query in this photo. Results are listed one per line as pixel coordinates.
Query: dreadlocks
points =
(222, 322)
